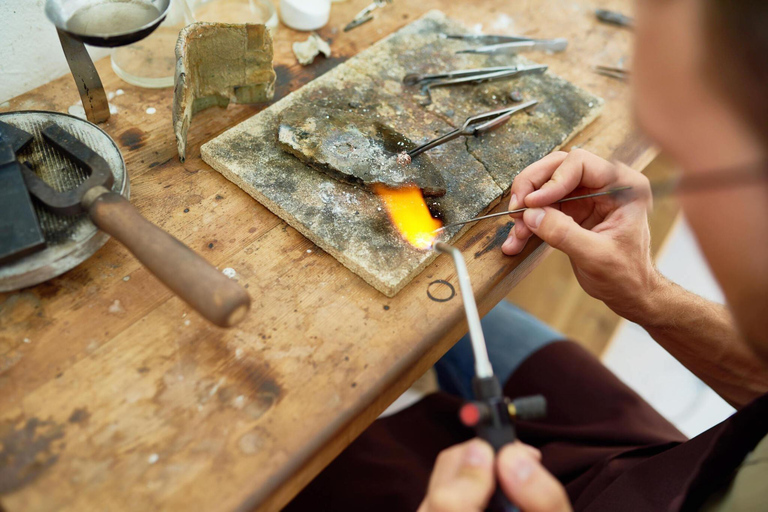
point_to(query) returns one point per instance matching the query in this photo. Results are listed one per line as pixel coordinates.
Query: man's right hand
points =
(606, 238)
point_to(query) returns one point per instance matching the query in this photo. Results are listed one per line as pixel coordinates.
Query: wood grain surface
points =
(113, 394)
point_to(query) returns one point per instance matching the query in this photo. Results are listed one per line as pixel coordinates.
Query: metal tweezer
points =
(471, 76)
(509, 44)
(474, 125)
(365, 15)
(415, 78)
(613, 72)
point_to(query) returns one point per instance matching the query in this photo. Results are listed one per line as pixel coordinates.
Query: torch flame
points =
(409, 214)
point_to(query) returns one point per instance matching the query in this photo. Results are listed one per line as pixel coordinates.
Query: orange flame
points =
(409, 214)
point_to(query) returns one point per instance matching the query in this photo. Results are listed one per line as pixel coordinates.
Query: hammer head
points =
(69, 202)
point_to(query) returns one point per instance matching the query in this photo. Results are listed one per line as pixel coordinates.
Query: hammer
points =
(188, 275)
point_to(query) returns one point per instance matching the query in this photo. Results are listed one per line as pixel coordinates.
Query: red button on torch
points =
(471, 414)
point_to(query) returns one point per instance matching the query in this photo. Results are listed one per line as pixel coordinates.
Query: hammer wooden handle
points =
(197, 282)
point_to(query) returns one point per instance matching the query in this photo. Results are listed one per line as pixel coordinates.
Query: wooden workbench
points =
(114, 395)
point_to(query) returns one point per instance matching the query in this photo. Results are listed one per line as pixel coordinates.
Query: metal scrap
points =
(219, 63)
(350, 147)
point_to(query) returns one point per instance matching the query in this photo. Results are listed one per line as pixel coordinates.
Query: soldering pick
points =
(520, 210)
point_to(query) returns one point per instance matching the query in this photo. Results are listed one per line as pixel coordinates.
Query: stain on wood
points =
(497, 240)
(27, 451)
(132, 139)
(348, 221)
(79, 415)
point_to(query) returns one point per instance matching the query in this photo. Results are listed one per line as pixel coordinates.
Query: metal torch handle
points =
(483, 367)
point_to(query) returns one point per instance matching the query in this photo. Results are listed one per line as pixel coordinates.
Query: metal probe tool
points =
(519, 210)
(491, 413)
(680, 184)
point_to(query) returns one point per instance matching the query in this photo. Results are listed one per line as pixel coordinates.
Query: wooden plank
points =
(113, 391)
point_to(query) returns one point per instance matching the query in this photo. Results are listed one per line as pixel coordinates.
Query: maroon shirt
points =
(610, 449)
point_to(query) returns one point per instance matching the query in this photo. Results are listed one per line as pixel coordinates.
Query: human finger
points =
(525, 481)
(533, 177)
(463, 479)
(563, 232)
(516, 239)
(579, 169)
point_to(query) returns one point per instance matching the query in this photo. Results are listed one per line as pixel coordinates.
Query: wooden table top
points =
(112, 391)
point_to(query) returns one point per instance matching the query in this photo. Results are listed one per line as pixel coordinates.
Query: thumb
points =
(469, 481)
(525, 481)
(562, 232)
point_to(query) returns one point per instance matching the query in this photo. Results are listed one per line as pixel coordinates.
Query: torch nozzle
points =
(483, 367)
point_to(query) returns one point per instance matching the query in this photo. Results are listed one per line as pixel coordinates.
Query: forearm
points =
(702, 335)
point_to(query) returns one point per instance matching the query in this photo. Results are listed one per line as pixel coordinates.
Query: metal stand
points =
(86, 78)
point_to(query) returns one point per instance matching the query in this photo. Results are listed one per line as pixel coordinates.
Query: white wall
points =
(30, 53)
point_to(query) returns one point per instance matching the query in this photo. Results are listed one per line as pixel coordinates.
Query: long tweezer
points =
(486, 77)
(509, 44)
(415, 78)
(474, 125)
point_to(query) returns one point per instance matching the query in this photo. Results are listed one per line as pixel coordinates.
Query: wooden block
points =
(217, 63)
(348, 221)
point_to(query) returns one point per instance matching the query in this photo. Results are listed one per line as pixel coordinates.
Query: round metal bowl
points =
(59, 12)
(69, 240)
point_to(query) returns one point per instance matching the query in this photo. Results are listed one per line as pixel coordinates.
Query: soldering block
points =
(349, 222)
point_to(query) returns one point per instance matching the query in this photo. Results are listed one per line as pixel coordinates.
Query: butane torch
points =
(491, 413)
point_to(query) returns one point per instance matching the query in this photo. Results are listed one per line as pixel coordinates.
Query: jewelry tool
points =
(212, 294)
(679, 184)
(20, 232)
(415, 78)
(365, 15)
(469, 76)
(509, 44)
(519, 210)
(474, 126)
(613, 72)
(100, 23)
(614, 18)
(491, 413)
(481, 75)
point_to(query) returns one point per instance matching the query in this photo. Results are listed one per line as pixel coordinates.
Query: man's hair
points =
(737, 35)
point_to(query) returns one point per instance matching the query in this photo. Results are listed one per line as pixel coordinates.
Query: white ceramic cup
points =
(305, 14)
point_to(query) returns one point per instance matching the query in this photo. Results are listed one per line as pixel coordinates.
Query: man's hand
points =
(607, 238)
(463, 480)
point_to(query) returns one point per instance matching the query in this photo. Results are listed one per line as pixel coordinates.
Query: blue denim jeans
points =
(511, 335)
